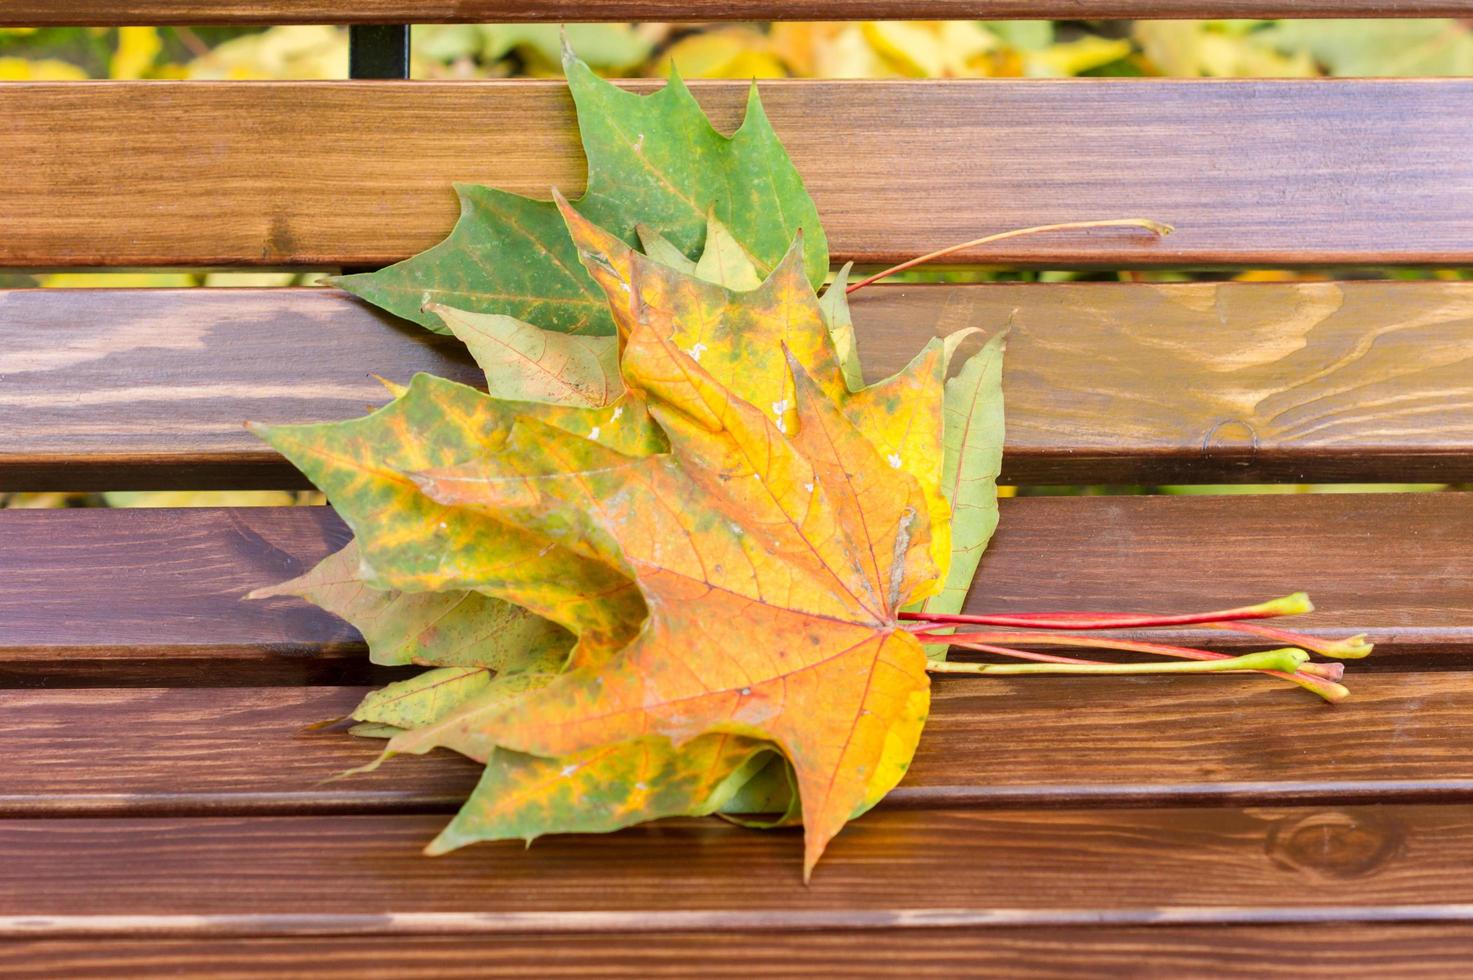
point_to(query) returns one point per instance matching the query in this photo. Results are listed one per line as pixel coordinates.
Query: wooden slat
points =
(1403, 737)
(1126, 383)
(152, 597)
(166, 598)
(1333, 951)
(909, 869)
(86, 13)
(263, 173)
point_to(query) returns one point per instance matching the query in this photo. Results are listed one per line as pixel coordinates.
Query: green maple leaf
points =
(653, 160)
(971, 460)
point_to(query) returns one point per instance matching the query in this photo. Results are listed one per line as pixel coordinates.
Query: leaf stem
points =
(1097, 642)
(1350, 648)
(1287, 660)
(1319, 679)
(1289, 605)
(1146, 223)
(1048, 658)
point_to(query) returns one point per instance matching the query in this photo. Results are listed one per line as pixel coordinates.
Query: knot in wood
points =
(1335, 844)
(1236, 436)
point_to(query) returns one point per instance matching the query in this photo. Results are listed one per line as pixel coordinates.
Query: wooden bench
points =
(161, 811)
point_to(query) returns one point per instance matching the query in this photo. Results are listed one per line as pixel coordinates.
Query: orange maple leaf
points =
(774, 566)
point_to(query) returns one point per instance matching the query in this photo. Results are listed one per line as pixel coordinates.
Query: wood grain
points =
(90, 13)
(1404, 737)
(153, 597)
(1332, 951)
(910, 869)
(292, 173)
(127, 389)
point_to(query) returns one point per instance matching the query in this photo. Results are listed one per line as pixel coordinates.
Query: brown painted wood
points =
(125, 389)
(912, 869)
(166, 600)
(1404, 737)
(1332, 951)
(264, 173)
(153, 597)
(85, 13)
(173, 374)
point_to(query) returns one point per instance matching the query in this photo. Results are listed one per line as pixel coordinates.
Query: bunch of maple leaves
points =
(678, 558)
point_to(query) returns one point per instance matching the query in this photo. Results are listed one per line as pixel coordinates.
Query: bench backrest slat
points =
(280, 174)
(1123, 383)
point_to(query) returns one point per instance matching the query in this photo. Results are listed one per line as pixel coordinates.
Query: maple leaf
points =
(970, 455)
(957, 463)
(523, 362)
(427, 618)
(652, 159)
(410, 543)
(421, 700)
(452, 628)
(740, 337)
(743, 544)
(693, 778)
(603, 789)
(774, 566)
(597, 791)
(970, 462)
(833, 306)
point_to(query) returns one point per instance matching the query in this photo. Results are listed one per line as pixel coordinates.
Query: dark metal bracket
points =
(378, 51)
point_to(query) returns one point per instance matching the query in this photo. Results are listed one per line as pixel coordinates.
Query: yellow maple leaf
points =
(774, 566)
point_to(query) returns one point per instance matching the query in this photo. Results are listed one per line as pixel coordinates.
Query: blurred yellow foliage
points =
(202, 498)
(138, 48)
(1279, 275)
(1219, 49)
(118, 280)
(43, 70)
(863, 49)
(35, 501)
(938, 49)
(164, 498)
(729, 52)
(1074, 57)
(827, 51)
(312, 52)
